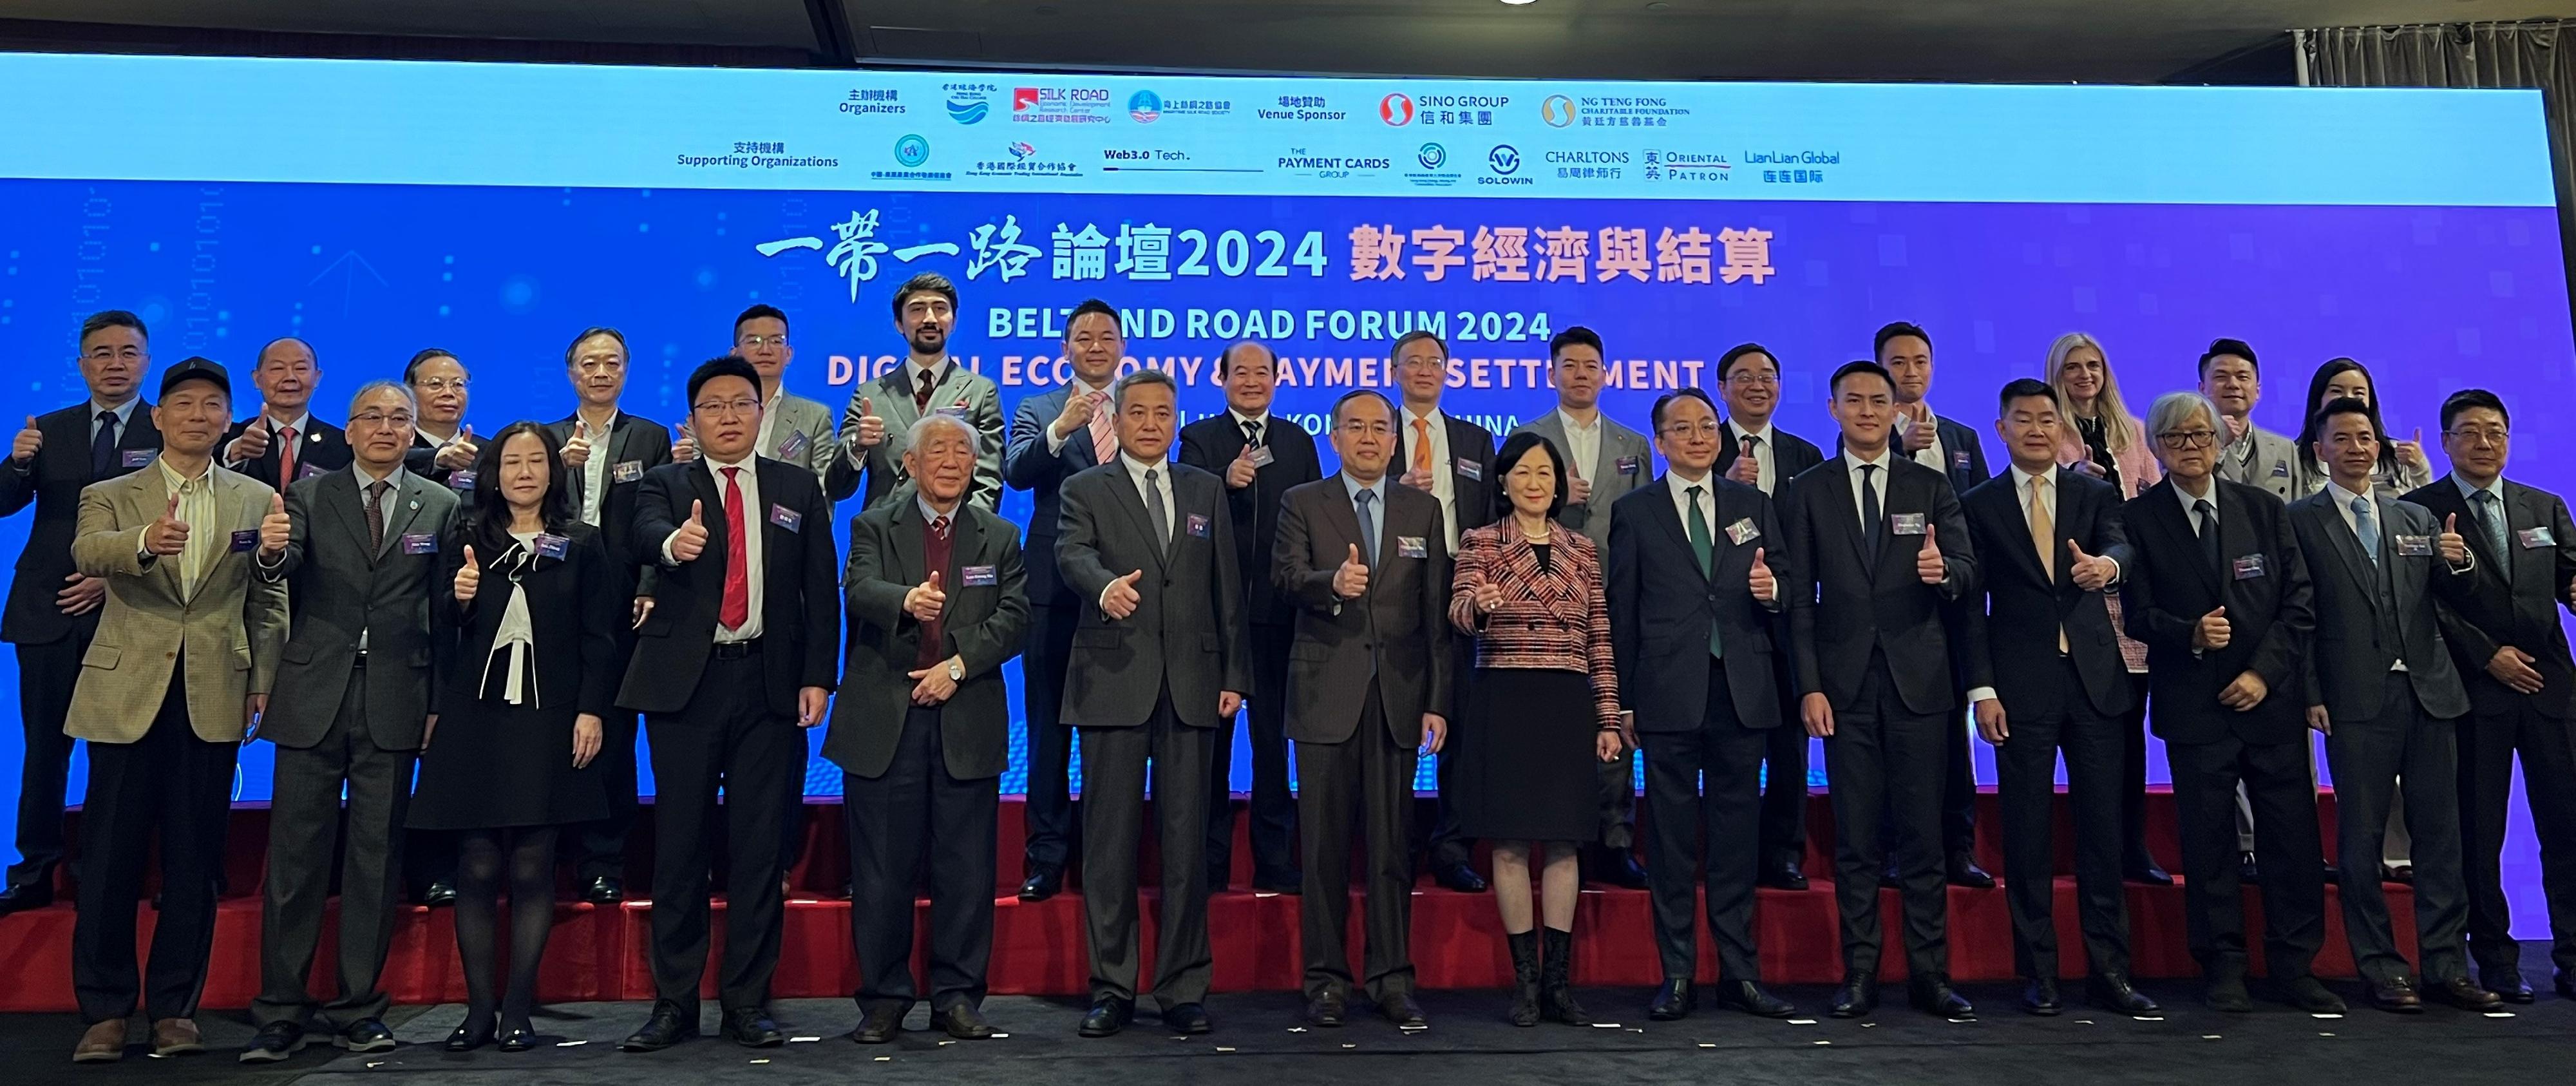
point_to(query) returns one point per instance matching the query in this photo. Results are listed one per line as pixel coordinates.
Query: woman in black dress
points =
(1543, 708)
(535, 604)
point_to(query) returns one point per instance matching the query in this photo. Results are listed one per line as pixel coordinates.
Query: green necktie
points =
(1703, 545)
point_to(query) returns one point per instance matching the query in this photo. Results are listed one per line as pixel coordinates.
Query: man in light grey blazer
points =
(792, 428)
(1606, 460)
(2251, 455)
(355, 701)
(882, 411)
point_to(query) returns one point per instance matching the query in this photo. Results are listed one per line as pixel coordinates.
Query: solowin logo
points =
(1395, 109)
(1432, 156)
(911, 151)
(1504, 158)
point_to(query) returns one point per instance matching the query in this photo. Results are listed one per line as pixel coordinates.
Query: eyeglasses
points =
(379, 418)
(2494, 436)
(1750, 379)
(1367, 427)
(441, 384)
(1681, 430)
(2189, 439)
(724, 409)
(757, 342)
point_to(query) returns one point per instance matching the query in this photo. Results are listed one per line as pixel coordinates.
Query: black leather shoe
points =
(518, 1039)
(752, 1028)
(27, 895)
(1782, 876)
(2147, 872)
(367, 1035)
(1752, 999)
(2113, 992)
(2403, 874)
(1933, 995)
(1188, 1018)
(1618, 867)
(1109, 1014)
(963, 1022)
(1403, 1012)
(276, 1041)
(2040, 998)
(878, 1025)
(1459, 877)
(1856, 998)
(664, 1029)
(2565, 983)
(1673, 1002)
(2308, 995)
(471, 1035)
(440, 893)
(604, 890)
(1044, 881)
(2463, 993)
(2227, 995)
(1291, 883)
(2396, 996)
(2510, 987)
(2247, 871)
(1963, 871)
(1327, 1011)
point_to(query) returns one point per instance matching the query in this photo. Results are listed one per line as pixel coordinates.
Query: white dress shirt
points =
(1707, 501)
(2190, 512)
(1766, 457)
(196, 508)
(754, 517)
(124, 413)
(2343, 500)
(1933, 456)
(1852, 463)
(393, 481)
(1583, 452)
(1444, 479)
(594, 471)
(1055, 444)
(1263, 420)
(769, 417)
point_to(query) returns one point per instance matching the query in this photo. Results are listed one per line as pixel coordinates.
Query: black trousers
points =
(306, 835)
(1441, 843)
(599, 848)
(180, 785)
(917, 823)
(1053, 834)
(1784, 789)
(726, 738)
(2026, 774)
(1686, 831)
(2133, 777)
(1369, 773)
(1113, 826)
(46, 675)
(1884, 764)
(2487, 746)
(2287, 844)
(2372, 760)
(1274, 808)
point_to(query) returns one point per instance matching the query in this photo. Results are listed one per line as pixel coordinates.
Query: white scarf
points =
(516, 638)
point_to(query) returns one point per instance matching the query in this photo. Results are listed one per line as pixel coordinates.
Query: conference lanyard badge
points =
(460, 480)
(553, 546)
(979, 576)
(626, 471)
(1198, 526)
(1411, 546)
(1261, 457)
(2249, 567)
(793, 447)
(2534, 538)
(1959, 460)
(2414, 546)
(1905, 523)
(1744, 531)
(1470, 470)
(244, 540)
(1631, 465)
(420, 543)
(785, 517)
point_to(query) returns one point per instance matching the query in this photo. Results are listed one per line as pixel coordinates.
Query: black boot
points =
(1524, 978)
(1556, 985)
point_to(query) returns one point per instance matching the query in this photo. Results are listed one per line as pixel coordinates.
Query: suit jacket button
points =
(169, 656)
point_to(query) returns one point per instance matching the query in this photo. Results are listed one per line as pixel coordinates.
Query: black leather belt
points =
(360, 660)
(735, 650)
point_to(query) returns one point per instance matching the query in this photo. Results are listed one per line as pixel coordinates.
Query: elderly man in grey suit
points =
(937, 603)
(792, 428)
(1606, 460)
(1159, 659)
(180, 668)
(1368, 678)
(354, 704)
(882, 411)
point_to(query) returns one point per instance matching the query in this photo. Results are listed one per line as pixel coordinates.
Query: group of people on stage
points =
(450, 639)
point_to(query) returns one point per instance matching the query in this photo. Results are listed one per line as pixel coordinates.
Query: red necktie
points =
(285, 457)
(737, 585)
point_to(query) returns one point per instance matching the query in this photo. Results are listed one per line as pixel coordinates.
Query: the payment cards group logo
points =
(1557, 111)
(1395, 109)
(911, 151)
(1145, 107)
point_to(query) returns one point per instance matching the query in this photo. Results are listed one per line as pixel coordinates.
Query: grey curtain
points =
(2537, 53)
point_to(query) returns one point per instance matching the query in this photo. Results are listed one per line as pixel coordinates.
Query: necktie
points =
(2209, 534)
(1704, 547)
(1753, 448)
(937, 556)
(376, 516)
(285, 438)
(1368, 525)
(2484, 503)
(2365, 523)
(1104, 441)
(2043, 537)
(921, 395)
(1252, 435)
(1422, 445)
(1154, 514)
(102, 448)
(1872, 518)
(737, 580)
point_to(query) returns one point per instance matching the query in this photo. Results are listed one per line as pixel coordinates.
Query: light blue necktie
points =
(1367, 500)
(2366, 525)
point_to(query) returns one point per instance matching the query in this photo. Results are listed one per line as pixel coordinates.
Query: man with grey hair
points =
(355, 701)
(284, 442)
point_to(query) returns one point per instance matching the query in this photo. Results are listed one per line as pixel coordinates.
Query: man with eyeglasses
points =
(2217, 591)
(53, 607)
(1754, 452)
(792, 428)
(284, 442)
(2505, 635)
(442, 445)
(881, 412)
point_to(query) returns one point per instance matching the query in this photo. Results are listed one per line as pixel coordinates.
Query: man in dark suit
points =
(1054, 436)
(1158, 659)
(1878, 557)
(2505, 636)
(1754, 452)
(53, 608)
(930, 381)
(1949, 446)
(1358, 557)
(355, 701)
(1451, 459)
(736, 656)
(284, 442)
(1695, 624)
(2379, 683)
(937, 603)
(442, 445)
(2046, 675)
(1260, 456)
(2218, 593)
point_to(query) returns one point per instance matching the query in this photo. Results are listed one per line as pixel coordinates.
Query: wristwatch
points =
(956, 671)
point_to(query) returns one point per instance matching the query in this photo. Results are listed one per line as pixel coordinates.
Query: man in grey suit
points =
(1605, 460)
(1368, 680)
(1159, 659)
(2382, 687)
(792, 428)
(882, 411)
(354, 703)
(937, 603)
(2249, 454)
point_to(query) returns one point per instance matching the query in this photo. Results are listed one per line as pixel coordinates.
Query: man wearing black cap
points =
(187, 644)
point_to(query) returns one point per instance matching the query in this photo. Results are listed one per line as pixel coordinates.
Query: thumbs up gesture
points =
(1238, 474)
(2092, 572)
(2455, 549)
(1351, 578)
(1928, 563)
(1766, 588)
(1747, 469)
(685, 449)
(2211, 633)
(1488, 598)
(253, 442)
(167, 534)
(925, 601)
(1121, 598)
(274, 529)
(871, 431)
(2411, 453)
(691, 540)
(469, 577)
(29, 440)
(458, 454)
(576, 452)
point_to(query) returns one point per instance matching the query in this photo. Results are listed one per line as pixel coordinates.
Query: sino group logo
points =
(1395, 109)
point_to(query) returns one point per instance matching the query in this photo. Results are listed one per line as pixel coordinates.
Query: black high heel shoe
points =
(518, 1039)
(471, 1034)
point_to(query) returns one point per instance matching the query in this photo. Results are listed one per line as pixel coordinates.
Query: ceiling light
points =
(1517, 3)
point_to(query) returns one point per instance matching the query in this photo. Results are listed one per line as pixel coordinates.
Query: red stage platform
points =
(599, 953)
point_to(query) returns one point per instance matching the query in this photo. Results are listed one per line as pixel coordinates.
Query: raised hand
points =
(166, 535)
(1076, 415)
(1766, 587)
(1351, 578)
(576, 452)
(1920, 429)
(1928, 563)
(1488, 598)
(1578, 491)
(2411, 453)
(1418, 479)
(1238, 474)
(2088, 467)
(691, 540)
(871, 431)
(925, 601)
(458, 454)
(2211, 633)
(2455, 549)
(469, 577)
(253, 442)
(29, 440)
(1122, 599)
(2092, 572)
(685, 449)
(1747, 469)
(275, 529)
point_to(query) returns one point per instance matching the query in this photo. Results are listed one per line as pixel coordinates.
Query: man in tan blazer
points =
(170, 688)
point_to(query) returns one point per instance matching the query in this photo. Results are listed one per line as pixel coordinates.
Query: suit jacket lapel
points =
(339, 492)
(2008, 506)
(2523, 510)
(1133, 502)
(909, 554)
(1671, 519)
(702, 482)
(1345, 520)
(1846, 505)
(2346, 545)
(620, 435)
(2185, 537)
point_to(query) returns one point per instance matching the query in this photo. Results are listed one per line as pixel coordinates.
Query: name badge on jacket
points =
(1472, 470)
(2249, 567)
(1630, 465)
(553, 546)
(245, 540)
(1905, 523)
(460, 480)
(307, 471)
(793, 448)
(785, 517)
(2535, 538)
(1959, 460)
(135, 458)
(2414, 546)
(2281, 470)
(1198, 526)
(626, 471)
(1410, 546)
(978, 576)
(1262, 457)
(420, 543)
(1743, 531)
(954, 410)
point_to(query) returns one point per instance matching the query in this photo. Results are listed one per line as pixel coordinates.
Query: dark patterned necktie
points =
(102, 448)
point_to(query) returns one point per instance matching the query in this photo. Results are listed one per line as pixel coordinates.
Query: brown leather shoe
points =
(176, 1037)
(103, 1042)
